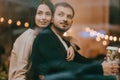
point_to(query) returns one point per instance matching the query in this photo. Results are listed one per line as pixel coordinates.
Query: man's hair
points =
(64, 4)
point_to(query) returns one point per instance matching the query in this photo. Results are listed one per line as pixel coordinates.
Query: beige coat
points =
(21, 52)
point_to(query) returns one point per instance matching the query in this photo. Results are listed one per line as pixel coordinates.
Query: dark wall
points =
(115, 12)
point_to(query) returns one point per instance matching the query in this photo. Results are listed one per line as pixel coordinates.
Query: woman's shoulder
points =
(24, 36)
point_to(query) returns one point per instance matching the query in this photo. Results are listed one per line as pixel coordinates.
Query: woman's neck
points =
(37, 30)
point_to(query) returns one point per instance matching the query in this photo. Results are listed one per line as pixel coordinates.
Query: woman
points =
(20, 62)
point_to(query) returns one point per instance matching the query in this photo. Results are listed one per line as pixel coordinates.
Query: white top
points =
(63, 42)
(21, 52)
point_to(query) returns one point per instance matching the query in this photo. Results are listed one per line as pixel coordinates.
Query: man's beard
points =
(59, 29)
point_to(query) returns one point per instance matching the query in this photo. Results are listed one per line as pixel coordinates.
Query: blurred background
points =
(96, 24)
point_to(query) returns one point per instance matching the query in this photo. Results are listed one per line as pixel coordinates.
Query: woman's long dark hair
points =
(35, 4)
(30, 74)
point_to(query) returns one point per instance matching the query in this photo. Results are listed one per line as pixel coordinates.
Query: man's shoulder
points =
(44, 37)
(45, 32)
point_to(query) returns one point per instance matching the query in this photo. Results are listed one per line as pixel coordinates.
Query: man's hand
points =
(110, 68)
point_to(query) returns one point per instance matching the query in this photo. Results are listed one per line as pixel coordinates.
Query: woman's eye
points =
(48, 14)
(40, 13)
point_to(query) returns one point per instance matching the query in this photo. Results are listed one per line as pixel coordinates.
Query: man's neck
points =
(56, 31)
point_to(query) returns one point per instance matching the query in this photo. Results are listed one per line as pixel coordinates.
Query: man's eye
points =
(69, 16)
(60, 14)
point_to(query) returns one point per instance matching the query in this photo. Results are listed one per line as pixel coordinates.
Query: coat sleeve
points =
(19, 62)
(12, 66)
(23, 63)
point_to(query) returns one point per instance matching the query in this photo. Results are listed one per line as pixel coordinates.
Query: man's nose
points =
(65, 18)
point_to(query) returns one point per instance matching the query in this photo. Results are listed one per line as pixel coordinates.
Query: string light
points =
(104, 43)
(93, 33)
(10, 21)
(102, 36)
(110, 38)
(106, 37)
(18, 23)
(98, 39)
(26, 24)
(115, 38)
(2, 19)
(97, 34)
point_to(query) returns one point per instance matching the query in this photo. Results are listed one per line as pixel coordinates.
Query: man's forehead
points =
(64, 9)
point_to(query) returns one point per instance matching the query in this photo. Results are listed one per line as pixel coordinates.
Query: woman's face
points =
(43, 16)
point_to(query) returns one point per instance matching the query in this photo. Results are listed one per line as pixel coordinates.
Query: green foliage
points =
(3, 74)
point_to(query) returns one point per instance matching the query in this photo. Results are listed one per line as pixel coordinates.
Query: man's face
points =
(63, 18)
(43, 16)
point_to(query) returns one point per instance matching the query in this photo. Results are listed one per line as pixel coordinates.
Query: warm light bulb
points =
(110, 38)
(26, 24)
(98, 39)
(10, 21)
(1, 19)
(18, 23)
(104, 43)
(106, 37)
(115, 38)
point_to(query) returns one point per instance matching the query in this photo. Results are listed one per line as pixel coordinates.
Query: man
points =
(49, 51)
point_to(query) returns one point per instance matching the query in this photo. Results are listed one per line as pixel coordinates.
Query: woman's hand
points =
(70, 54)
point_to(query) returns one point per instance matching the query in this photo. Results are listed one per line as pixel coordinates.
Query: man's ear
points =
(72, 22)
